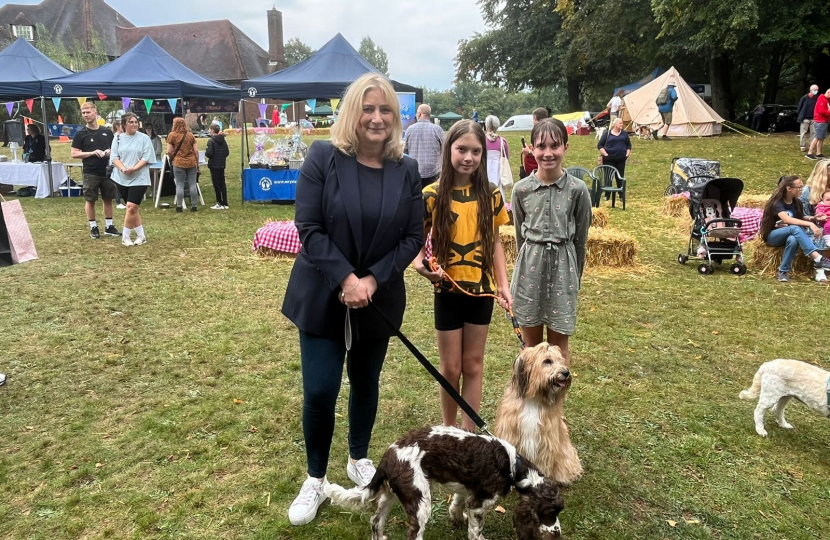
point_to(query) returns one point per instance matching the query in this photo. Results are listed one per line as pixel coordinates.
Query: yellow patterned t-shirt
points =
(465, 257)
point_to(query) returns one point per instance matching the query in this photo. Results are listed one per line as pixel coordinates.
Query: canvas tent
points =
(325, 74)
(24, 67)
(145, 71)
(691, 116)
(629, 88)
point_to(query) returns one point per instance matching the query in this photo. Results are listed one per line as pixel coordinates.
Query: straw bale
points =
(508, 243)
(610, 248)
(267, 252)
(751, 200)
(600, 220)
(766, 259)
(675, 205)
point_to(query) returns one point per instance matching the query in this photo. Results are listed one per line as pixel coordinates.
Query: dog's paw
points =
(786, 425)
(762, 432)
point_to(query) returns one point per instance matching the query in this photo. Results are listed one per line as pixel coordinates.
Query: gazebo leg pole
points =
(242, 141)
(48, 148)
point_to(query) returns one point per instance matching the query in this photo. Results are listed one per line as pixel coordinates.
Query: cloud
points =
(420, 38)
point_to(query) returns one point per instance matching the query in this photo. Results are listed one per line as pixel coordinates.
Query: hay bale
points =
(766, 259)
(675, 205)
(600, 220)
(508, 243)
(267, 252)
(751, 200)
(610, 248)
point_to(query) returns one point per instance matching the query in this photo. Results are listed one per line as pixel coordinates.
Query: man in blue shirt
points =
(475, 116)
(423, 141)
(665, 110)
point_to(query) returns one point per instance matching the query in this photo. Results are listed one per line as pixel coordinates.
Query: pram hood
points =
(725, 190)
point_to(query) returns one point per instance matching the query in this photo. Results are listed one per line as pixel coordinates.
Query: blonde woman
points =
(359, 213)
(183, 151)
(816, 185)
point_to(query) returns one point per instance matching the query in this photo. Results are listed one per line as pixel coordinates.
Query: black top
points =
(615, 145)
(790, 209)
(35, 147)
(370, 185)
(87, 140)
(217, 151)
(807, 107)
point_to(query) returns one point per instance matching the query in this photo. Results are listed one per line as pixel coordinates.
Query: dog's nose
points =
(566, 374)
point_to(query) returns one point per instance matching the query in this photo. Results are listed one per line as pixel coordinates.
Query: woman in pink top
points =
(496, 147)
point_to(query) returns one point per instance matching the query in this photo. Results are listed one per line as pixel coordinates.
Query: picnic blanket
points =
(278, 235)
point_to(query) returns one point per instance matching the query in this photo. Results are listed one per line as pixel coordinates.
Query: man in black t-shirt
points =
(92, 144)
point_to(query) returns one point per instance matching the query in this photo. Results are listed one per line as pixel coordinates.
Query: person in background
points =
(529, 161)
(217, 122)
(821, 118)
(92, 144)
(183, 151)
(758, 117)
(665, 110)
(117, 130)
(34, 145)
(806, 109)
(615, 147)
(496, 147)
(201, 118)
(150, 131)
(131, 153)
(475, 116)
(423, 141)
(217, 153)
(614, 105)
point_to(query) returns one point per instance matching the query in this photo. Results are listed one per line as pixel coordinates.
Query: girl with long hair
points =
(463, 210)
(183, 151)
(784, 224)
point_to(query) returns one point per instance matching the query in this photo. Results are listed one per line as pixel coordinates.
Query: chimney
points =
(276, 46)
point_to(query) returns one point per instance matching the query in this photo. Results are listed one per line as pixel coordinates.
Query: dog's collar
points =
(518, 466)
(828, 398)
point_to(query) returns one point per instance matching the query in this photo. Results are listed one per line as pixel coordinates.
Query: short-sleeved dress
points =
(551, 231)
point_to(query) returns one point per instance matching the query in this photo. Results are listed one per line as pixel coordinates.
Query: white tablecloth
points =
(33, 174)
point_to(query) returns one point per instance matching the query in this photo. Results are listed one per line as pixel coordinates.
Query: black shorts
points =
(133, 194)
(453, 310)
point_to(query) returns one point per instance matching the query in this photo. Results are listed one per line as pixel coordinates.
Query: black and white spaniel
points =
(477, 469)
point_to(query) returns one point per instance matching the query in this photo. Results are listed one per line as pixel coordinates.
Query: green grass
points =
(154, 392)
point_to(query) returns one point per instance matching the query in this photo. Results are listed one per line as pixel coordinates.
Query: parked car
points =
(520, 122)
(777, 118)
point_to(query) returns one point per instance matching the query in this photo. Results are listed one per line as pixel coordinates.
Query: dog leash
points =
(445, 384)
(433, 265)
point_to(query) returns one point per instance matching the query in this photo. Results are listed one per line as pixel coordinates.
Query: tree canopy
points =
(296, 51)
(374, 54)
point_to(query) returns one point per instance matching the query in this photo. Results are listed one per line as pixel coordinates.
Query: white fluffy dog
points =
(600, 132)
(779, 381)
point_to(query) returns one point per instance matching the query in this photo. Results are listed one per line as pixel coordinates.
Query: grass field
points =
(154, 392)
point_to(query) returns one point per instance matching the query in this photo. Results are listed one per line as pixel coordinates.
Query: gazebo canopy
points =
(449, 116)
(325, 74)
(22, 68)
(145, 71)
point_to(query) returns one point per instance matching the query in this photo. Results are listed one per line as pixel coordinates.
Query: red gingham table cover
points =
(279, 236)
(750, 221)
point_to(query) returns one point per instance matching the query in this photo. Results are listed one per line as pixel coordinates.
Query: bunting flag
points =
(172, 102)
(30, 103)
(148, 103)
(312, 103)
(263, 108)
(334, 103)
(9, 107)
(57, 102)
(81, 100)
(101, 96)
(125, 101)
(284, 106)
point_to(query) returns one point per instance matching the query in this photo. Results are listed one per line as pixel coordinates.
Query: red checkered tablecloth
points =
(750, 221)
(279, 236)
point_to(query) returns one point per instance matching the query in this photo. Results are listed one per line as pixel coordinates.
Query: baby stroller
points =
(715, 236)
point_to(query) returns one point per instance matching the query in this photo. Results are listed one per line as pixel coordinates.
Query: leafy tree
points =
(374, 54)
(296, 51)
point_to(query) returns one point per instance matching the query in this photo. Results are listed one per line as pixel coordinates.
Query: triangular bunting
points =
(334, 103)
(101, 96)
(30, 103)
(81, 100)
(312, 103)
(263, 108)
(284, 106)
(57, 102)
(9, 107)
(172, 102)
(148, 103)
(125, 101)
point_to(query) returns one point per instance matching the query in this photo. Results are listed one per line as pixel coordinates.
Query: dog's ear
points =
(520, 377)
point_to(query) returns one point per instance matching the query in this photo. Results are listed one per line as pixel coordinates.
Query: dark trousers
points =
(217, 176)
(619, 164)
(322, 366)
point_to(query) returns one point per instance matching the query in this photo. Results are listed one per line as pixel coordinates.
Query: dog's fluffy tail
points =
(357, 499)
(755, 390)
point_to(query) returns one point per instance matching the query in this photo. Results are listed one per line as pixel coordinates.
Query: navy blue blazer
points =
(329, 220)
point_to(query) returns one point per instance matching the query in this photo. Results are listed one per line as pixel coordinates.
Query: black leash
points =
(445, 384)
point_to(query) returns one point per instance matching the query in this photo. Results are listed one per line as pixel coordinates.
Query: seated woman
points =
(784, 225)
(34, 145)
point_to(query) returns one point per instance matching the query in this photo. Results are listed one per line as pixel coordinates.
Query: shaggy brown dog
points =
(530, 413)
(477, 469)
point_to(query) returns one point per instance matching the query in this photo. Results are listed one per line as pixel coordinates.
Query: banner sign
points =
(212, 106)
(408, 108)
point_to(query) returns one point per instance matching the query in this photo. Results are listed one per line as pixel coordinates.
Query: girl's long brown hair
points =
(481, 189)
(770, 217)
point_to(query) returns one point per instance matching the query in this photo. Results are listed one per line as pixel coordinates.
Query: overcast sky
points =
(420, 37)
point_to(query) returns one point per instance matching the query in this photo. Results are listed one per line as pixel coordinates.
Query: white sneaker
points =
(361, 471)
(304, 508)
(126, 242)
(225, 207)
(140, 240)
(217, 207)
(820, 276)
(121, 206)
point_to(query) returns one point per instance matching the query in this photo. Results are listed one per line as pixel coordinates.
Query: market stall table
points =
(268, 185)
(35, 175)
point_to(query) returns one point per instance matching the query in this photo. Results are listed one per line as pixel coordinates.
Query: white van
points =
(520, 122)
